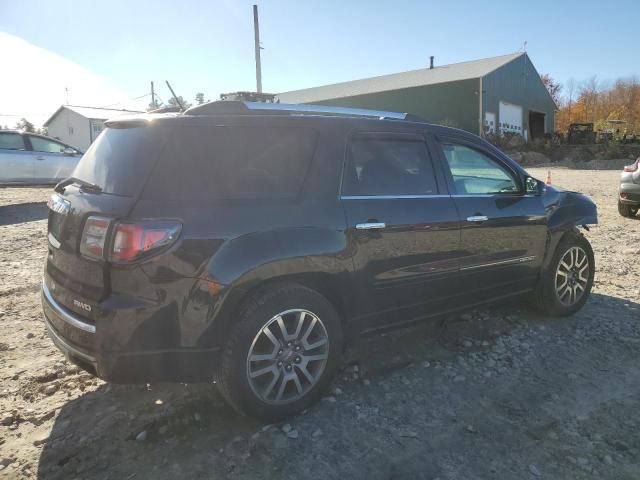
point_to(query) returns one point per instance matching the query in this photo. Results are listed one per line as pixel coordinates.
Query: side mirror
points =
(69, 152)
(535, 187)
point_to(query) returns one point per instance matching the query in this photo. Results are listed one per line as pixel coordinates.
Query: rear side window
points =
(11, 141)
(388, 167)
(233, 163)
(120, 159)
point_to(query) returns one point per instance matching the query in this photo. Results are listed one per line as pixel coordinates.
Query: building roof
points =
(397, 81)
(92, 113)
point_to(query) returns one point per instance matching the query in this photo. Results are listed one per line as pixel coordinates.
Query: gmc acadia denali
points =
(247, 243)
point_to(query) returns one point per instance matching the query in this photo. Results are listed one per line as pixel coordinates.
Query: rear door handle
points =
(477, 218)
(370, 226)
(40, 157)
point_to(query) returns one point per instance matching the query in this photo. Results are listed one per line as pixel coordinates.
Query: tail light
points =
(128, 241)
(633, 167)
(94, 237)
(132, 241)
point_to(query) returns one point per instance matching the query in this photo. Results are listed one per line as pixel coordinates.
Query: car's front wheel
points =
(282, 354)
(566, 282)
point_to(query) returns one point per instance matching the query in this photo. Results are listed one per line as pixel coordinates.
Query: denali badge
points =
(84, 306)
(59, 204)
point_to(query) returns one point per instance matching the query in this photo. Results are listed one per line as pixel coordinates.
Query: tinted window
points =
(388, 167)
(475, 173)
(120, 159)
(43, 145)
(11, 141)
(233, 163)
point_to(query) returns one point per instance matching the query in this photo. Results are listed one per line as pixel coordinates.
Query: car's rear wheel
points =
(566, 282)
(627, 210)
(282, 354)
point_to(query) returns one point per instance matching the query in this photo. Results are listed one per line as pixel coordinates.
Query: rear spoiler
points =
(140, 120)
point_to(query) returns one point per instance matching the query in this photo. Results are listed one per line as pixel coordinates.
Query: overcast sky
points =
(107, 52)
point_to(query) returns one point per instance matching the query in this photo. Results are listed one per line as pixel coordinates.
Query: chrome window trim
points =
(62, 312)
(390, 197)
(497, 195)
(401, 197)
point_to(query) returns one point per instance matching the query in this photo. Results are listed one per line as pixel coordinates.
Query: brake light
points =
(633, 167)
(94, 237)
(132, 241)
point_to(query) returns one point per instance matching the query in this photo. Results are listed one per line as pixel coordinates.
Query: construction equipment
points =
(581, 133)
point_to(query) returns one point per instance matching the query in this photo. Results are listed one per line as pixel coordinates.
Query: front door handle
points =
(40, 157)
(370, 226)
(477, 218)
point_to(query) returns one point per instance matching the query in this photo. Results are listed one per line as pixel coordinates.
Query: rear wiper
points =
(84, 185)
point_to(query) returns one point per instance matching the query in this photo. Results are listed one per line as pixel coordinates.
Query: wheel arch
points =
(330, 286)
(554, 238)
(326, 284)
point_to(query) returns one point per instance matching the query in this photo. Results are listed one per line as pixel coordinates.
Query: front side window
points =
(11, 141)
(388, 167)
(474, 173)
(43, 145)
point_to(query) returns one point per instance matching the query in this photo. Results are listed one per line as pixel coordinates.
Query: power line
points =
(32, 114)
(128, 100)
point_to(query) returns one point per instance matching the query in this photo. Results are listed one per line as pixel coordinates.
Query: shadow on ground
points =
(22, 213)
(191, 433)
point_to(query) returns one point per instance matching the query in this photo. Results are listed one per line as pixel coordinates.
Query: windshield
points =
(120, 159)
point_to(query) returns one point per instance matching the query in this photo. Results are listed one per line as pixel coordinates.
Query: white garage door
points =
(490, 122)
(510, 118)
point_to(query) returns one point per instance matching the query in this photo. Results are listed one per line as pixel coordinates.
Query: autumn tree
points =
(600, 103)
(553, 87)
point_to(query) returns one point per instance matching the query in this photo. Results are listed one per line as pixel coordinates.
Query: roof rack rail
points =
(239, 108)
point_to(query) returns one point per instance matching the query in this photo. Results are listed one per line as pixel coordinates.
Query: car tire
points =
(262, 353)
(553, 296)
(627, 210)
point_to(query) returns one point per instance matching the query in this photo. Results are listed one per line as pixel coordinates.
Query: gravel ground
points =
(497, 393)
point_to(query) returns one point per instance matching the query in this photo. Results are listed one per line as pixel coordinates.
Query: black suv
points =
(247, 243)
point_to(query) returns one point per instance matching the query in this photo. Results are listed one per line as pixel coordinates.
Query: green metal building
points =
(499, 95)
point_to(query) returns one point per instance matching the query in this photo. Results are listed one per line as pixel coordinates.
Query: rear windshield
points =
(120, 159)
(232, 163)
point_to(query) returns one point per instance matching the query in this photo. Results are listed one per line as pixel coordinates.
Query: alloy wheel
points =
(287, 356)
(572, 276)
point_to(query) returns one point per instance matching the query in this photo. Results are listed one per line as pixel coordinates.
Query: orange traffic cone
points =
(548, 181)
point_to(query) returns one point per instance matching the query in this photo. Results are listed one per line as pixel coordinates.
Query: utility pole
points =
(153, 97)
(175, 97)
(256, 32)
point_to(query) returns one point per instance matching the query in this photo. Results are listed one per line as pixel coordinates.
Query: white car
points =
(36, 159)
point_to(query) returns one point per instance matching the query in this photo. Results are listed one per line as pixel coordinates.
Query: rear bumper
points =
(84, 345)
(629, 193)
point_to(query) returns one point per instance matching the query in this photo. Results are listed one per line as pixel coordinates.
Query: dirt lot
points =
(499, 393)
